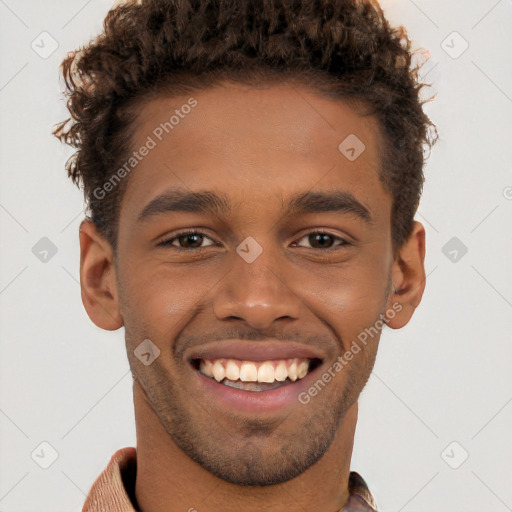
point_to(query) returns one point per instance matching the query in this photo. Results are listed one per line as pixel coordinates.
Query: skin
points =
(259, 146)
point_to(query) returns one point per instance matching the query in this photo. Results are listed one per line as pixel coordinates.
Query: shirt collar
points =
(360, 498)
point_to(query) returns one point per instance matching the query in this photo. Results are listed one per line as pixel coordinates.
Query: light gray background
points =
(444, 378)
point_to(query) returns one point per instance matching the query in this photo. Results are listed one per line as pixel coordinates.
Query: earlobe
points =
(98, 279)
(407, 278)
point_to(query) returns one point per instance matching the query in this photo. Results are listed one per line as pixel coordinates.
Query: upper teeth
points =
(255, 371)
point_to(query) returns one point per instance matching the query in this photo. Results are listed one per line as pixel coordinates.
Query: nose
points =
(258, 293)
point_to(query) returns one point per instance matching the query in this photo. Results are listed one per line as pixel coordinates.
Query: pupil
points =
(190, 237)
(320, 237)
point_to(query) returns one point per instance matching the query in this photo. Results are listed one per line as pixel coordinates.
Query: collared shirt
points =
(114, 489)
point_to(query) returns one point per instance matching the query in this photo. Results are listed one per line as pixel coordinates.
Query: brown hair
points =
(342, 48)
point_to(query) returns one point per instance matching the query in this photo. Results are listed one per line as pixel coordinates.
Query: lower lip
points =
(270, 401)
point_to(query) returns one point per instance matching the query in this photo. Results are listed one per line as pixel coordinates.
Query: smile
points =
(256, 376)
(253, 378)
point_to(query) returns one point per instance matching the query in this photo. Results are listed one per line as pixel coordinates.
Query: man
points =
(252, 170)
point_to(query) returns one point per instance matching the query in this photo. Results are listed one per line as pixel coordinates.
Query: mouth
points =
(264, 378)
(256, 376)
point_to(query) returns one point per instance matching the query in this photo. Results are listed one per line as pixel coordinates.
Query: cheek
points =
(349, 300)
(164, 299)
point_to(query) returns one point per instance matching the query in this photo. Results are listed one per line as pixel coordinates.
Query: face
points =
(284, 258)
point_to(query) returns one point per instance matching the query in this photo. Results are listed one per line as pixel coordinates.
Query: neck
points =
(167, 477)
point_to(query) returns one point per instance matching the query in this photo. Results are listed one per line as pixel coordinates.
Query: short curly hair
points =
(344, 49)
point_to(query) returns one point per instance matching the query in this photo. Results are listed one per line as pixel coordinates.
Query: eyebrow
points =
(335, 201)
(213, 203)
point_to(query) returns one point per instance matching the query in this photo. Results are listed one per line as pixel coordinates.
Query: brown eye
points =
(187, 240)
(190, 241)
(321, 240)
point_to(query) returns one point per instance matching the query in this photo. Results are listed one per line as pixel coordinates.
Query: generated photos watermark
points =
(369, 332)
(137, 156)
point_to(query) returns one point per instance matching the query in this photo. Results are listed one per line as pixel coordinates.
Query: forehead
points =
(257, 142)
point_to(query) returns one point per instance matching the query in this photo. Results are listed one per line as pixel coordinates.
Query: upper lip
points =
(253, 350)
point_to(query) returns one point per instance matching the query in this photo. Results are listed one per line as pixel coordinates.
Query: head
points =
(251, 172)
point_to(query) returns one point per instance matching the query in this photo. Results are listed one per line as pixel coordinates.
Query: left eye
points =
(319, 238)
(190, 240)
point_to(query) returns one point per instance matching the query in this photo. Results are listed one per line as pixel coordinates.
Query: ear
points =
(407, 278)
(98, 278)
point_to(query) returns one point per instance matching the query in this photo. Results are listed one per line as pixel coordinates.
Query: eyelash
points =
(167, 242)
